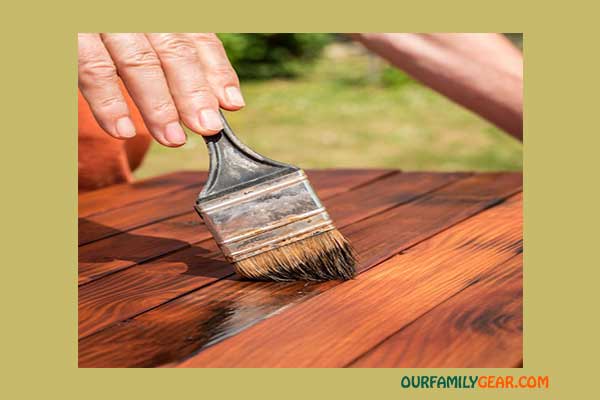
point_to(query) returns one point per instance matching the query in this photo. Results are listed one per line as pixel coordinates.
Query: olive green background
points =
(39, 202)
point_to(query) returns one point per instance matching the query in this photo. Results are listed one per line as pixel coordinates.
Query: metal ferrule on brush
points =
(264, 216)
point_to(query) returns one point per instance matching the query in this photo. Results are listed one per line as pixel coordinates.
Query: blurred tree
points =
(269, 55)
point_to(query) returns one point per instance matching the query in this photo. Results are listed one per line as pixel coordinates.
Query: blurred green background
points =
(322, 101)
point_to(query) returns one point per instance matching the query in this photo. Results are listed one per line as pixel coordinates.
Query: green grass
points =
(335, 117)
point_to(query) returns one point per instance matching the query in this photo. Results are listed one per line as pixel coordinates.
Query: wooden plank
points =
(334, 328)
(203, 317)
(176, 203)
(145, 286)
(125, 249)
(479, 327)
(117, 196)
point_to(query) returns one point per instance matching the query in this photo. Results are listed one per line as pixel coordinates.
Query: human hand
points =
(170, 77)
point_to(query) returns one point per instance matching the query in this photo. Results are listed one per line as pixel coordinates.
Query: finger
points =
(218, 70)
(99, 85)
(141, 72)
(197, 105)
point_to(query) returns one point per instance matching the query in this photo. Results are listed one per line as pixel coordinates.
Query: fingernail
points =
(174, 133)
(125, 127)
(235, 96)
(209, 119)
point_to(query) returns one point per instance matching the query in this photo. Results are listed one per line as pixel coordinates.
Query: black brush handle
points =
(234, 165)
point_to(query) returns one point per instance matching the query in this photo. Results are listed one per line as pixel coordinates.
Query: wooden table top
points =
(439, 284)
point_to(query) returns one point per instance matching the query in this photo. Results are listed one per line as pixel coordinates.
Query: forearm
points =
(483, 72)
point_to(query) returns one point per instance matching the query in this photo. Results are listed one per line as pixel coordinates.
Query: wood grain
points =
(124, 295)
(117, 196)
(126, 248)
(336, 327)
(480, 327)
(204, 317)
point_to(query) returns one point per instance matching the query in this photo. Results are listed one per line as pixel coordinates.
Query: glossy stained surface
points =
(439, 283)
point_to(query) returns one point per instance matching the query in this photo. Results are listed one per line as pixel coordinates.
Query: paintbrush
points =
(267, 219)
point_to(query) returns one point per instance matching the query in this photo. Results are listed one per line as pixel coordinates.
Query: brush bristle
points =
(327, 256)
